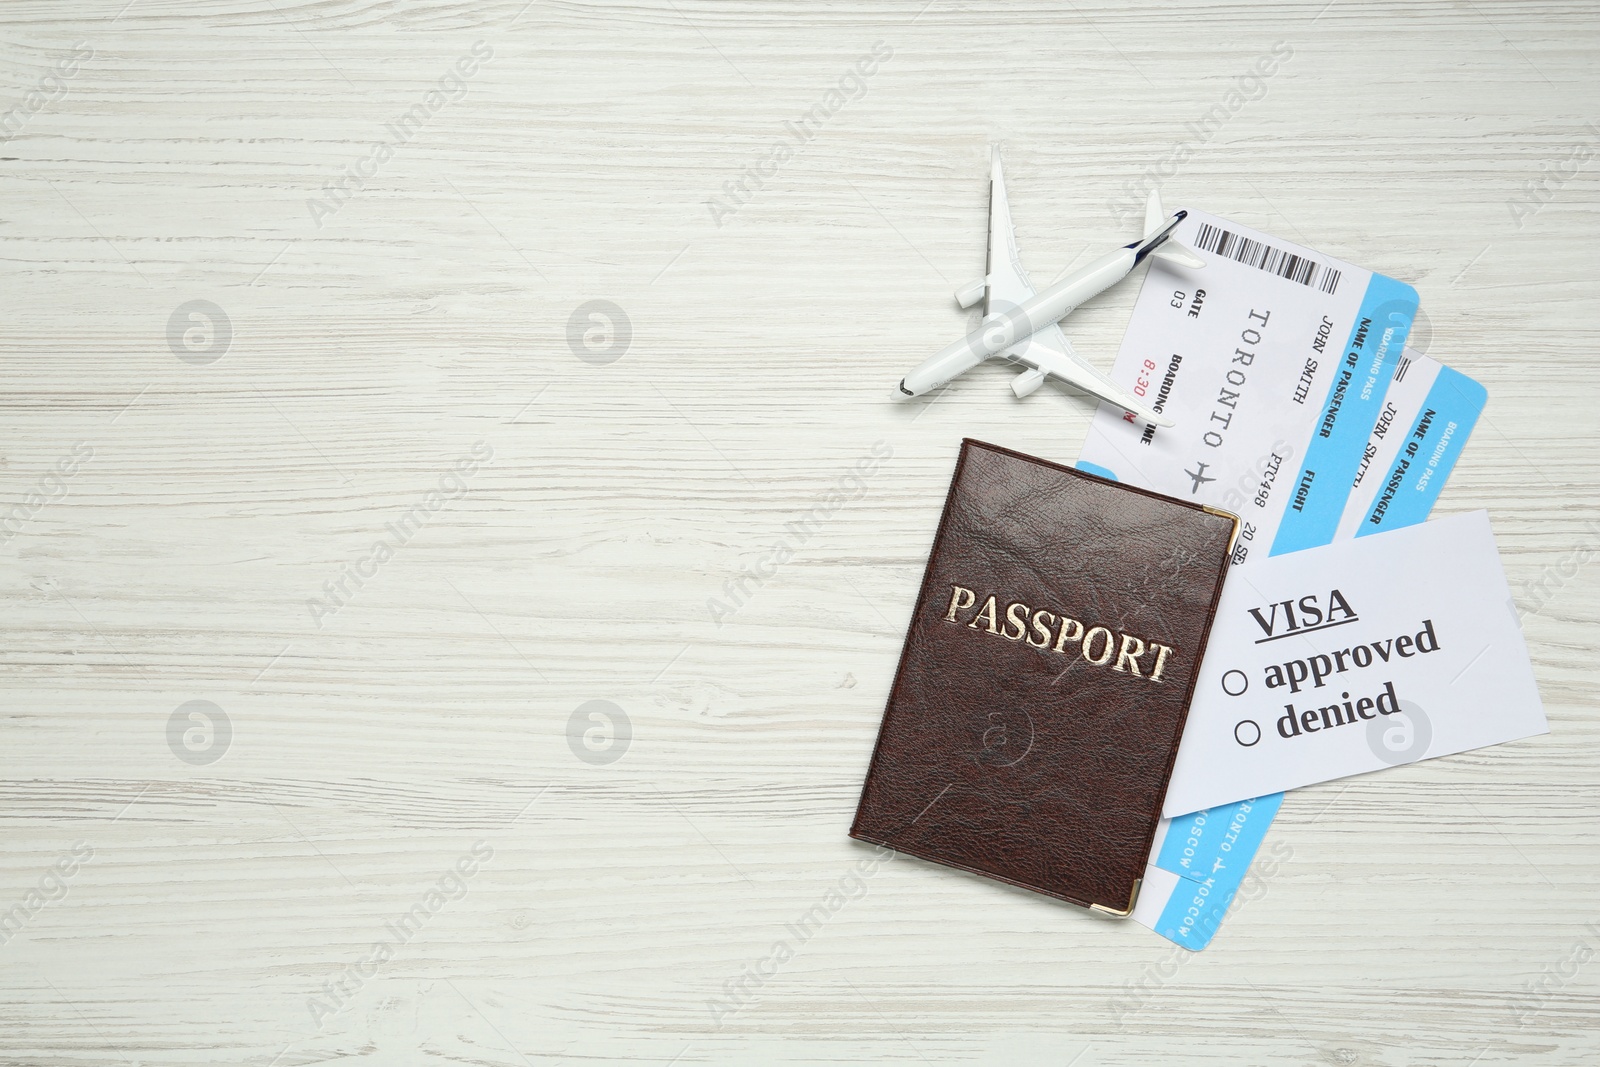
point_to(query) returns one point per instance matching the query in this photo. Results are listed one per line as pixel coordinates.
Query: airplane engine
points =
(1027, 382)
(972, 292)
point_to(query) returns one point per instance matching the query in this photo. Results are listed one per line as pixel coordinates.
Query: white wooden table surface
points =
(186, 482)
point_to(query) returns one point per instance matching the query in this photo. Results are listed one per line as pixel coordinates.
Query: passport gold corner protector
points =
(1233, 539)
(1133, 899)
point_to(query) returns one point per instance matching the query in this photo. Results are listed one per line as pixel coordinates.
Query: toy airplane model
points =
(1020, 323)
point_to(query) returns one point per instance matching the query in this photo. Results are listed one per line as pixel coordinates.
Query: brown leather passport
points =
(1045, 678)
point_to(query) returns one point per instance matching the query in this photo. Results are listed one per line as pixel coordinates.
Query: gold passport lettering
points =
(1098, 645)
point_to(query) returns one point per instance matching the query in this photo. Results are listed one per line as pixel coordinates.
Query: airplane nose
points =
(901, 392)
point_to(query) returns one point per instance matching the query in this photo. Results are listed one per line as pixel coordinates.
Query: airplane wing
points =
(1008, 282)
(1050, 354)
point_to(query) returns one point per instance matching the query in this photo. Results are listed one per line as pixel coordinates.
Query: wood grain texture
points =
(371, 748)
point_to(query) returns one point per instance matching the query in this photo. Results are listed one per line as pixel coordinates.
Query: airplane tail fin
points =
(1154, 217)
(1171, 251)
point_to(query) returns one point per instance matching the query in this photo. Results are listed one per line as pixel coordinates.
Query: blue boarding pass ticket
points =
(1197, 867)
(1273, 361)
(1421, 429)
(1197, 344)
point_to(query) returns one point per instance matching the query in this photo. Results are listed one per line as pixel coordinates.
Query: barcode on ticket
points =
(1264, 257)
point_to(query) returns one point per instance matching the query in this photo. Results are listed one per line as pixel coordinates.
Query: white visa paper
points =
(1359, 655)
